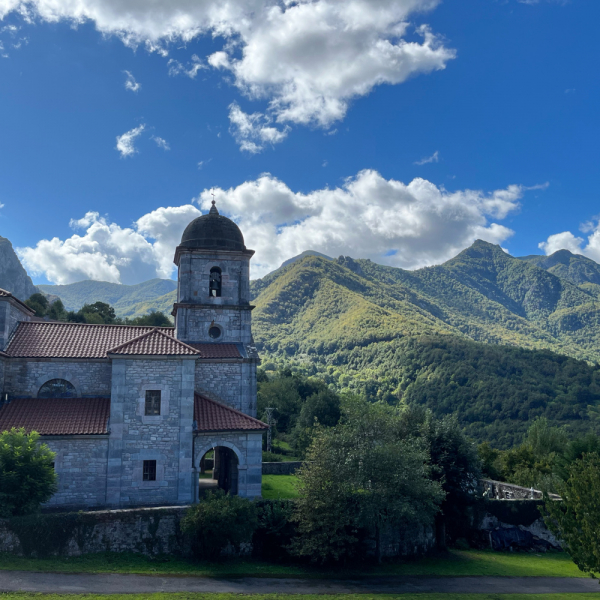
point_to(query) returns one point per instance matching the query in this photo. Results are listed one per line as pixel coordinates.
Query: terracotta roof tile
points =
(214, 416)
(72, 340)
(217, 350)
(57, 416)
(154, 343)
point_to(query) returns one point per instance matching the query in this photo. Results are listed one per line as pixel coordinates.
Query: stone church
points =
(131, 411)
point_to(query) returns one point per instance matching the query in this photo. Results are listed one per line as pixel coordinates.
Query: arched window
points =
(214, 289)
(57, 388)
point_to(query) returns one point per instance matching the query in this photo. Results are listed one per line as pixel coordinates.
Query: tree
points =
(38, 303)
(153, 319)
(576, 519)
(456, 466)
(27, 477)
(282, 394)
(56, 311)
(361, 476)
(321, 408)
(99, 313)
(217, 521)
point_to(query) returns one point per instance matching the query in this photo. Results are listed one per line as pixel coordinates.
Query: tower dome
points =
(213, 232)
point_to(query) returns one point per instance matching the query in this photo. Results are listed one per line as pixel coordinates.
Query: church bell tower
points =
(213, 291)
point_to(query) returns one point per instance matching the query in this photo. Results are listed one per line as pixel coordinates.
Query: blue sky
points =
(498, 104)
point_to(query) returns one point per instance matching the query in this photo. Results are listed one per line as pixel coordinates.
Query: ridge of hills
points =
(127, 300)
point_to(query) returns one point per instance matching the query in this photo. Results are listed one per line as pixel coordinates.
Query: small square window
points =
(149, 470)
(152, 403)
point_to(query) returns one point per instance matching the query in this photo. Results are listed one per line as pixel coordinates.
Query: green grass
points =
(455, 563)
(204, 596)
(276, 487)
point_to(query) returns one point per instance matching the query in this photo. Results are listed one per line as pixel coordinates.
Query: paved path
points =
(73, 583)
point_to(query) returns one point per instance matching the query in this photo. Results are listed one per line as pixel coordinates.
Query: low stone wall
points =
(149, 531)
(280, 468)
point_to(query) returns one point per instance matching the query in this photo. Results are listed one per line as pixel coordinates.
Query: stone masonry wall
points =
(9, 318)
(166, 438)
(248, 449)
(193, 324)
(80, 464)
(24, 377)
(194, 277)
(220, 381)
(149, 531)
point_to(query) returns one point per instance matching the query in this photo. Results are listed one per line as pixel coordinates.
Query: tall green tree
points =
(27, 477)
(576, 519)
(319, 409)
(38, 303)
(361, 476)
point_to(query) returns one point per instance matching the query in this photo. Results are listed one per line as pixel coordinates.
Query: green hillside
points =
(127, 300)
(575, 268)
(317, 306)
(405, 336)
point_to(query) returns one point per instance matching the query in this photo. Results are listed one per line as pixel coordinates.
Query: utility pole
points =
(270, 422)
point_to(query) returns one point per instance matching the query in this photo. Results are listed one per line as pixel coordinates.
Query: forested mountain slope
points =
(575, 268)
(449, 337)
(483, 294)
(127, 300)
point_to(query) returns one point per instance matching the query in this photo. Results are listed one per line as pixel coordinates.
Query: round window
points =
(214, 332)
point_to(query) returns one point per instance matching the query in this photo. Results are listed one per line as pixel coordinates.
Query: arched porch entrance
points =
(219, 470)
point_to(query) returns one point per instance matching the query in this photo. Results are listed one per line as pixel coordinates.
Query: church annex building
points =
(131, 411)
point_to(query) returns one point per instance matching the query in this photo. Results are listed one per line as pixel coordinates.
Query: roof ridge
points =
(148, 334)
(226, 406)
(174, 339)
(95, 324)
(135, 339)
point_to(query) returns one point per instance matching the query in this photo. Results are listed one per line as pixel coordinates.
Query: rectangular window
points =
(149, 470)
(152, 403)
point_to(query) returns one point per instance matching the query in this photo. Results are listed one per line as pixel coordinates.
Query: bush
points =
(27, 477)
(218, 521)
(275, 529)
(271, 457)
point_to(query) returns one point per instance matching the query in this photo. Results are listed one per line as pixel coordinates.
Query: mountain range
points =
(498, 340)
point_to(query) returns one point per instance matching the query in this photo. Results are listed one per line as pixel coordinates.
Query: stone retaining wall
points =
(149, 531)
(280, 468)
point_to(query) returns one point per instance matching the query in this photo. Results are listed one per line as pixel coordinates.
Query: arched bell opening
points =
(219, 470)
(214, 289)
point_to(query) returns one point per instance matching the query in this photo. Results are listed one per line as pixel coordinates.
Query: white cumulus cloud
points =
(253, 132)
(307, 58)
(126, 142)
(403, 225)
(106, 251)
(589, 246)
(130, 83)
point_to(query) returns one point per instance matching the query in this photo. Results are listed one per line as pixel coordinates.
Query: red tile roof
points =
(217, 350)
(51, 339)
(214, 416)
(57, 416)
(154, 343)
(72, 340)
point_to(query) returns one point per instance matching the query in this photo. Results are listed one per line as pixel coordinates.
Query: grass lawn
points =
(455, 563)
(200, 596)
(279, 487)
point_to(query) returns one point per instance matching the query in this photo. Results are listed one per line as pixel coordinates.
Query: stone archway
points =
(218, 468)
